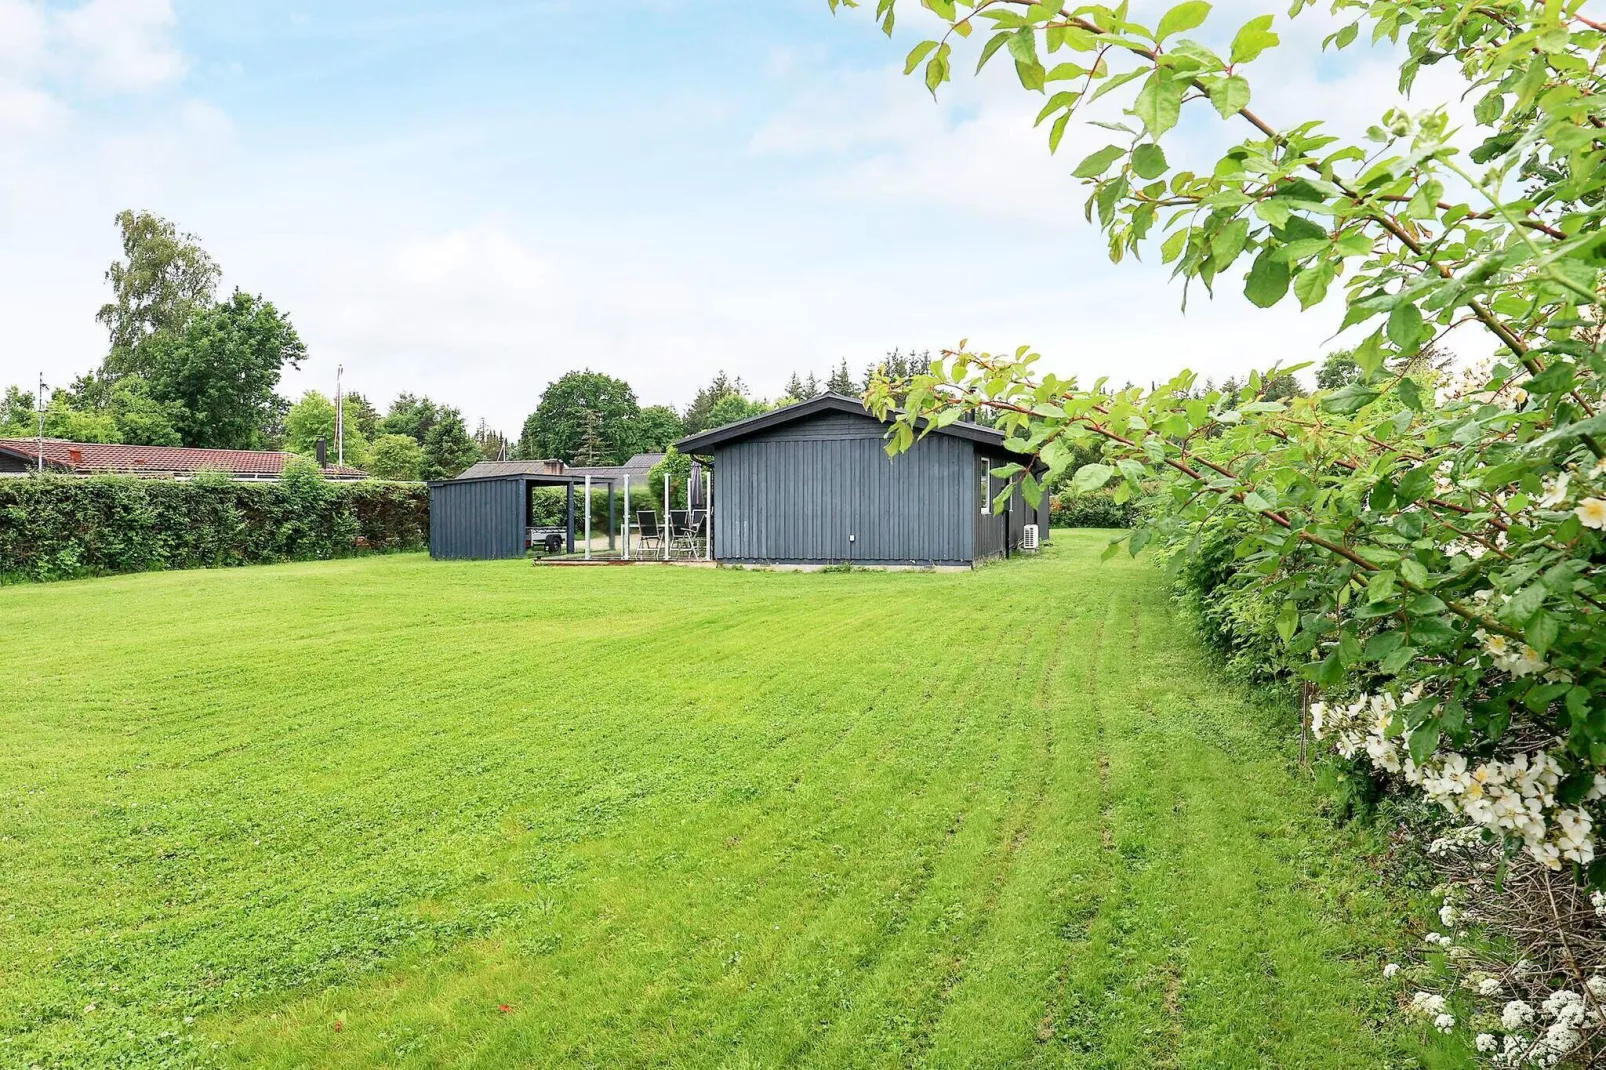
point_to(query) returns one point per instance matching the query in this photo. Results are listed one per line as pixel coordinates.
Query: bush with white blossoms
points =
(1513, 799)
(1428, 549)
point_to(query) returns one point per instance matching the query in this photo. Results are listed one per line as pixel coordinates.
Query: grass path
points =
(400, 813)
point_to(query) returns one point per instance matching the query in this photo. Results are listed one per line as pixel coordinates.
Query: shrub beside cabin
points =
(811, 484)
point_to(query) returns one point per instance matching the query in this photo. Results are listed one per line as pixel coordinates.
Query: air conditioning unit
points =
(1028, 537)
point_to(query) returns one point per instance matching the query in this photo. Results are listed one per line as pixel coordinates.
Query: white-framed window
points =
(983, 465)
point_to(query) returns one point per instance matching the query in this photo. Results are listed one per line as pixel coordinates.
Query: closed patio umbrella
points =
(696, 498)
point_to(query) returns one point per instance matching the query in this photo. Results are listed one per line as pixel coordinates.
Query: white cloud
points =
(121, 45)
(875, 137)
(106, 45)
(25, 110)
(22, 37)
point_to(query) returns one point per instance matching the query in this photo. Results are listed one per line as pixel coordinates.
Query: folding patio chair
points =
(647, 528)
(679, 529)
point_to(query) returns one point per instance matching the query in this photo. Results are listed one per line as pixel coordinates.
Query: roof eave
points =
(704, 440)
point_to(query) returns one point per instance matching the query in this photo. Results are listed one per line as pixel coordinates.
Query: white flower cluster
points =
(1514, 798)
(1519, 659)
(1590, 508)
(1568, 1013)
(1431, 1005)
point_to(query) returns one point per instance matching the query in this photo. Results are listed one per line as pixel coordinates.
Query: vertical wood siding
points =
(990, 528)
(824, 490)
(477, 520)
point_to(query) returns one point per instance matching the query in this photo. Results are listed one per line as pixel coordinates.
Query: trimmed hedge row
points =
(59, 527)
(1096, 510)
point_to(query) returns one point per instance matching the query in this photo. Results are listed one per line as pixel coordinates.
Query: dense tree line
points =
(588, 418)
(185, 366)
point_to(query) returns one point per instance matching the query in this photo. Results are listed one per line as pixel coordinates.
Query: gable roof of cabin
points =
(703, 441)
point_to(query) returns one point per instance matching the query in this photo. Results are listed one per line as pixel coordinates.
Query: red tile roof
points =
(98, 458)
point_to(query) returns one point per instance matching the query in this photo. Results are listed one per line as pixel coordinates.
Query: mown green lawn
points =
(402, 813)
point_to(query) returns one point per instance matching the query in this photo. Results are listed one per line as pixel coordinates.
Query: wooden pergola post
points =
(569, 497)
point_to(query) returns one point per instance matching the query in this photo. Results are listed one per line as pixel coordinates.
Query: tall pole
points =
(340, 418)
(588, 517)
(665, 531)
(627, 516)
(41, 407)
(708, 514)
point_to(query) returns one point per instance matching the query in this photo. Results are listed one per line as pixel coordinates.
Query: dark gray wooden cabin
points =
(812, 484)
(479, 518)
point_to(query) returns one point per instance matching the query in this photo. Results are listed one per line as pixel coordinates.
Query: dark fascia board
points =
(544, 479)
(703, 441)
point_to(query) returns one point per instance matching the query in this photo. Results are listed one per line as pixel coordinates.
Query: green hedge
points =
(1096, 510)
(58, 527)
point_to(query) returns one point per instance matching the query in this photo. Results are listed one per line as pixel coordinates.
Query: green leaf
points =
(1185, 16)
(1405, 326)
(1310, 285)
(1173, 245)
(1349, 399)
(1412, 486)
(1414, 571)
(1423, 740)
(1148, 160)
(1159, 102)
(1099, 162)
(1267, 281)
(1023, 45)
(994, 43)
(1063, 99)
(1410, 393)
(1381, 586)
(1032, 75)
(1252, 40)
(918, 53)
(1091, 477)
(1273, 211)
(1057, 131)
(1543, 627)
(1398, 660)
(1521, 607)
(1330, 671)
(1488, 110)
(1433, 632)
(1382, 645)
(1228, 242)
(1368, 356)
(1287, 621)
(1230, 95)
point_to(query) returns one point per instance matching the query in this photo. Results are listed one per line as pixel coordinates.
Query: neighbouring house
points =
(811, 484)
(19, 456)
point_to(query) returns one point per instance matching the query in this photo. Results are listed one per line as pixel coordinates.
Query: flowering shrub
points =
(1514, 799)
(1432, 547)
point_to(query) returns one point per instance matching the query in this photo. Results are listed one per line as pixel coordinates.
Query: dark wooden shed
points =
(489, 517)
(812, 484)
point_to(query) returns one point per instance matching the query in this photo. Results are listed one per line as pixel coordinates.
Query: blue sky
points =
(469, 199)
